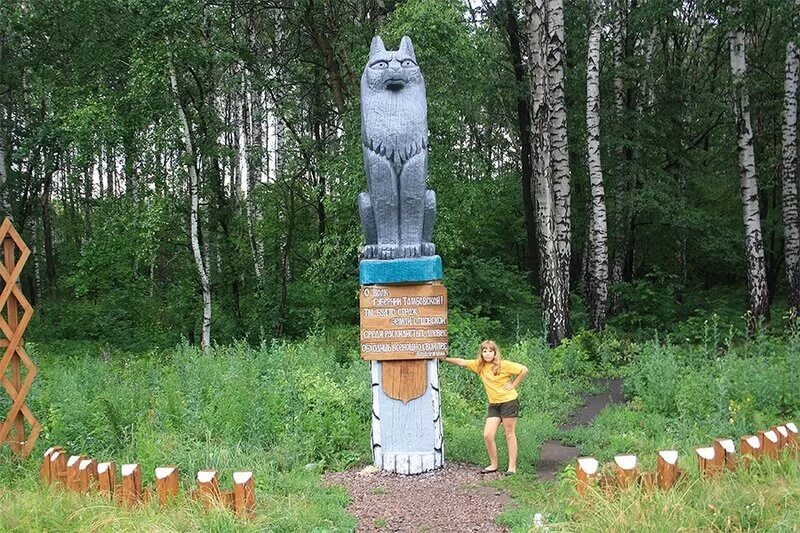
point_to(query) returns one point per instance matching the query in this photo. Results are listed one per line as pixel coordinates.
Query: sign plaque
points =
(403, 322)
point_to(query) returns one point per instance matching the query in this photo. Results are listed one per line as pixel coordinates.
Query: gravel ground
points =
(454, 498)
(457, 497)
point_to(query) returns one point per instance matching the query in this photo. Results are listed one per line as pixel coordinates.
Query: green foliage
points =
(489, 288)
(762, 498)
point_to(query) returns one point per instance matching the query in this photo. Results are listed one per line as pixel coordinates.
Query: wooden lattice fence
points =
(16, 368)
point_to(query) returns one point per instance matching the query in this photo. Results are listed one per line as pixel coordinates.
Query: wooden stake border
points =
(713, 461)
(84, 474)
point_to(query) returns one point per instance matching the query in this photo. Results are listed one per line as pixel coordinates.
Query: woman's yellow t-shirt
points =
(494, 383)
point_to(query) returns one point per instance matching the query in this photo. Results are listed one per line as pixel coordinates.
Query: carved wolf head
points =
(394, 111)
(392, 70)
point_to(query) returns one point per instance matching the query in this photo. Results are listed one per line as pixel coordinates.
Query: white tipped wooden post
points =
(87, 475)
(208, 487)
(769, 443)
(58, 466)
(167, 484)
(244, 494)
(750, 446)
(130, 491)
(587, 473)
(783, 436)
(45, 470)
(107, 478)
(791, 430)
(626, 470)
(667, 469)
(707, 462)
(72, 471)
(726, 453)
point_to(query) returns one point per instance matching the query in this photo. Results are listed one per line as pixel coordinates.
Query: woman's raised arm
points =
(455, 361)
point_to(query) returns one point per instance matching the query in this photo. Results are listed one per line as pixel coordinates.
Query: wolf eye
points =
(408, 63)
(380, 65)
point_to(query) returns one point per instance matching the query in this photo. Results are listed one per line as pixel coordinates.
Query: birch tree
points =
(597, 274)
(791, 224)
(201, 262)
(550, 274)
(559, 149)
(621, 192)
(748, 184)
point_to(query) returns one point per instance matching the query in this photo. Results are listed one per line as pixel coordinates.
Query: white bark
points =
(648, 95)
(194, 191)
(620, 12)
(791, 216)
(597, 275)
(245, 132)
(552, 294)
(559, 149)
(754, 244)
(622, 214)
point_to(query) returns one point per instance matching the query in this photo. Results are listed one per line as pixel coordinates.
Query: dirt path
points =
(554, 453)
(455, 498)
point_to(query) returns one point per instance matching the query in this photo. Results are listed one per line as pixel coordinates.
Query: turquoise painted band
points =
(415, 270)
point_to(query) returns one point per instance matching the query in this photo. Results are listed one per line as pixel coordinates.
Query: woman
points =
(500, 380)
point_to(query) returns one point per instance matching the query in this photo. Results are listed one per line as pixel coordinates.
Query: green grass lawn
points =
(765, 497)
(289, 411)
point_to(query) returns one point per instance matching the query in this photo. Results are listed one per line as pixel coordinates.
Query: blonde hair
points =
(497, 357)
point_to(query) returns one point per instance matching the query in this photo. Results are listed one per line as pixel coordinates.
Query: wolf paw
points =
(428, 248)
(410, 250)
(370, 251)
(387, 251)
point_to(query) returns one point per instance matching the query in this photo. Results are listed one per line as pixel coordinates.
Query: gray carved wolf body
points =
(397, 213)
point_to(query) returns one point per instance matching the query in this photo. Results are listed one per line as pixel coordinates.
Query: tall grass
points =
(288, 411)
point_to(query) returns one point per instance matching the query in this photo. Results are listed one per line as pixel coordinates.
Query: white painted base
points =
(407, 438)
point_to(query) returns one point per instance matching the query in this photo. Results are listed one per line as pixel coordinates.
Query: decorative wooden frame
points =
(12, 429)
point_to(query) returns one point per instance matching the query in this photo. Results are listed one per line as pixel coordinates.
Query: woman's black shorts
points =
(509, 409)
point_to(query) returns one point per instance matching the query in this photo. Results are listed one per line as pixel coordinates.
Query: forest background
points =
(97, 175)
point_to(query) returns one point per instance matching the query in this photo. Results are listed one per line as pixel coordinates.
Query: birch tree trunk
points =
(248, 174)
(552, 294)
(748, 184)
(791, 224)
(200, 262)
(37, 270)
(622, 213)
(597, 274)
(47, 235)
(559, 150)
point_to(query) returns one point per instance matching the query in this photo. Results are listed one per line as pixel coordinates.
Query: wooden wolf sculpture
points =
(397, 213)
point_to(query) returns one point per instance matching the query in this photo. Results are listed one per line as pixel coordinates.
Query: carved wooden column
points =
(403, 333)
(403, 303)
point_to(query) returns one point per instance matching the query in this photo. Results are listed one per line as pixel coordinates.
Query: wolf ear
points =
(407, 47)
(376, 46)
